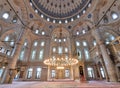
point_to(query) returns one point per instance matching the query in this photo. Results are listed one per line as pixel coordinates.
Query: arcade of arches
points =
(32, 31)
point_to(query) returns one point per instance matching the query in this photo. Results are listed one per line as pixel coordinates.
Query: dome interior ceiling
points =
(60, 11)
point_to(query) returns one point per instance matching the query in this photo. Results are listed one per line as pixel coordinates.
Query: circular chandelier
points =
(61, 59)
(60, 62)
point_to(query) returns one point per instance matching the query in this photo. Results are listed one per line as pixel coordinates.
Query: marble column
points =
(25, 74)
(85, 72)
(106, 58)
(48, 75)
(11, 70)
(72, 75)
(9, 74)
(76, 72)
(34, 73)
(98, 69)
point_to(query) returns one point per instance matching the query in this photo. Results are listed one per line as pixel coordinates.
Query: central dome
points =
(60, 11)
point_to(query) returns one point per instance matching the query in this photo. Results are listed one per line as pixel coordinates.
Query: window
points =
(59, 50)
(25, 44)
(41, 54)
(8, 52)
(107, 41)
(35, 43)
(102, 72)
(86, 53)
(60, 40)
(29, 74)
(66, 50)
(2, 49)
(14, 20)
(43, 33)
(55, 39)
(5, 15)
(94, 43)
(22, 55)
(12, 43)
(111, 37)
(54, 49)
(114, 15)
(84, 43)
(38, 73)
(6, 38)
(42, 43)
(79, 53)
(77, 43)
(53, 74)
(83, 31)
(18, 75)
(64, 40)
(67, 73)
(77, 33)
(90, 72)
(33, 54)
(1, 72)
(36, 31)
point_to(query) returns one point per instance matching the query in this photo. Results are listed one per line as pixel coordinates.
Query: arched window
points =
(105, 19)
(54, 49)
(1, 72)
(29, 73)
(23, 51)
(77, 33)
(66, 50)
(109, 37)
(53, 73)
(90, 72)
(42, 43)
(6, 38)
(33, 54)
(22, 55)
(9, 43)
(35, 43)
(60, 50)
(114, 15)
(84, 43)
(94, 43)
(79, 53)
(38, 73)
(5, 15)
(12, 42)
(86, 52)
(41, 54)
(77, 43)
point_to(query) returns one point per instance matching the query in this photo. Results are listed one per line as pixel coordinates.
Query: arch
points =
(6, 33)
(110, 30)
(84, 24)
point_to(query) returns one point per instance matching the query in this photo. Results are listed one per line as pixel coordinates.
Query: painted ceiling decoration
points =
(60, 11)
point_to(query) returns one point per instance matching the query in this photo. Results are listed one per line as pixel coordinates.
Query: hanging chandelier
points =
(60, 60)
